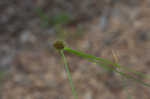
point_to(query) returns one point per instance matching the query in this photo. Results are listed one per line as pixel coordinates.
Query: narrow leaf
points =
(105, 61)
(68, 75)
(121, 73)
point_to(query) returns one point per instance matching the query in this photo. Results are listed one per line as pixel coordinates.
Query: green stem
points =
(121, 73)
(68, 74)
(105, 61)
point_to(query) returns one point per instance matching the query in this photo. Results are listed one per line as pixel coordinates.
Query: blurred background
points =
(30, 68)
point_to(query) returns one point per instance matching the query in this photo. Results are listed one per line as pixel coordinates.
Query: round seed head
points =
(59, 45)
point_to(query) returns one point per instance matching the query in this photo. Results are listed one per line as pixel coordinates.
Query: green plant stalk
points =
(104, 61)
(105, 64)
(121, 73)
(68, 74)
